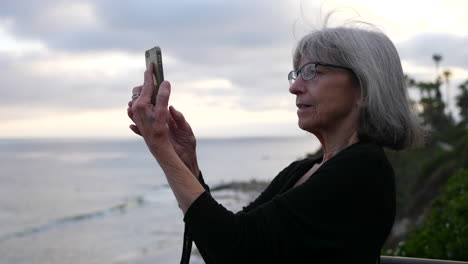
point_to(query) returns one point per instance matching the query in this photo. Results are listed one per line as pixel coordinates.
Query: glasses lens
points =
(309, 71)
(292, 77)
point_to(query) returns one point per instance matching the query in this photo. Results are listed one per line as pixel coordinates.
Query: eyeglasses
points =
(309, 70)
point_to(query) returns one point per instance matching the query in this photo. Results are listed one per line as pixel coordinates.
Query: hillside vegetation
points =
(432, 193)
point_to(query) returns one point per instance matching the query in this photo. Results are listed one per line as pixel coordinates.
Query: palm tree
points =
(437, 58)
(462, 101)
(447, 74)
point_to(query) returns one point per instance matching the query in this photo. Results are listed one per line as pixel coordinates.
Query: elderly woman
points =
(339, 208)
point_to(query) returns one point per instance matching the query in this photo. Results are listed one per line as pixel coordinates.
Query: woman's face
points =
(327, 102)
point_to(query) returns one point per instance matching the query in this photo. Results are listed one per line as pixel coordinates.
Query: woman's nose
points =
(297, 86)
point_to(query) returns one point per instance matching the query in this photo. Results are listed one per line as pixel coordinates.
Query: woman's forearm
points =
(183, 183)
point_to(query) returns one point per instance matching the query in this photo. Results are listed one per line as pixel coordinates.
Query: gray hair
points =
(387, 117)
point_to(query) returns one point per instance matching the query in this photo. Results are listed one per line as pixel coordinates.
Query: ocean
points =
(107, 201)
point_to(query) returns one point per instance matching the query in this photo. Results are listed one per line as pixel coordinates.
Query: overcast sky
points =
(67, 67)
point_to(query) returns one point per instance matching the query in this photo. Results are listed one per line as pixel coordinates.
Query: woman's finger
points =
(135, 129)
(172, 123)
(130, 112)
(179, 118)
(162, 99)
(148, 86)
(137, 89)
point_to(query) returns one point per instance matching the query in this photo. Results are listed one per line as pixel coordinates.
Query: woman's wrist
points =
(183, 183)
(195, 170)
(192, 165)
(165, 152)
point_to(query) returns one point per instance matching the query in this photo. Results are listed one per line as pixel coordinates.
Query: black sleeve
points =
(319, 219)
(272, 189)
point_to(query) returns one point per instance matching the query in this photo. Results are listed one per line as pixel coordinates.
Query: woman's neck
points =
(333, 144)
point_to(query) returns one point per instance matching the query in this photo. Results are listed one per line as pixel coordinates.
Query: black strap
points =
(187, 247)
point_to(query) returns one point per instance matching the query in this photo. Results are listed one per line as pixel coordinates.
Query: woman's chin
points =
(308, 125)
(304, 125)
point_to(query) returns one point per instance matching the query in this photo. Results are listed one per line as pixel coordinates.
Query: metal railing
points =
(402, 260)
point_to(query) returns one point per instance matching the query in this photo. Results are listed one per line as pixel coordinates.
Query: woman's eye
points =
(310, 71)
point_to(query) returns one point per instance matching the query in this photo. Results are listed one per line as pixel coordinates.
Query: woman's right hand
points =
(183, 140)
(180, 134)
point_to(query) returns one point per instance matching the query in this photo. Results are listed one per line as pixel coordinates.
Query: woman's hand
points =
(183, 140)
(162, 130)
(151, 121)
(161, 125)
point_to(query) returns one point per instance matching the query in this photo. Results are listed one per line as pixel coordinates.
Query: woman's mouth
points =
(304, 109)
(301, 106)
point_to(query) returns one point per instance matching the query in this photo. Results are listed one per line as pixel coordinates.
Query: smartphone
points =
(154, 56)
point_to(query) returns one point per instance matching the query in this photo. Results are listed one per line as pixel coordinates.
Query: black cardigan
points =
(342, 214)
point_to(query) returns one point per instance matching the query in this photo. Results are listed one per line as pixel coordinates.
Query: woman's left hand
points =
(151, 121)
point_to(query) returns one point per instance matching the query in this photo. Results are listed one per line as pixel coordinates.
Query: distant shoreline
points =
(245, 186)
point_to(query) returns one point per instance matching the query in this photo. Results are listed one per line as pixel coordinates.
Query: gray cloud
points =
(248, 43)
(177, 25)
(420, 49)
(22, 87)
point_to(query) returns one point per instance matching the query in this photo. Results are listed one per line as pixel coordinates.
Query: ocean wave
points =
(114, 210)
